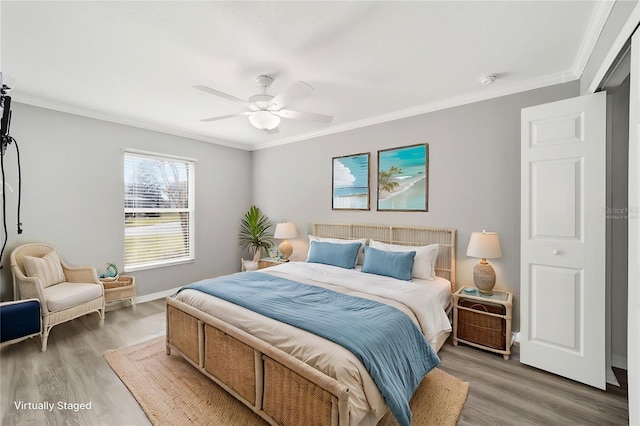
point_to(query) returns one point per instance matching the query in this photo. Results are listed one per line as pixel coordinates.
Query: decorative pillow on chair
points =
(47, 268)
(425, 260)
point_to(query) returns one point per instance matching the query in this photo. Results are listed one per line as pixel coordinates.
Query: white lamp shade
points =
(264, 120)
(484, 245)
(285, 230)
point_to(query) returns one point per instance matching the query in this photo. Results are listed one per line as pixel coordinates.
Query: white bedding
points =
(440, 288)
(423, 300)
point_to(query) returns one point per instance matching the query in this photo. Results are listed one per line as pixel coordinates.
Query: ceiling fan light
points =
(264, 120)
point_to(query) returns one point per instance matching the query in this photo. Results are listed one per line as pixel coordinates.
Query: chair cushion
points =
(67, 295)
(47, 268)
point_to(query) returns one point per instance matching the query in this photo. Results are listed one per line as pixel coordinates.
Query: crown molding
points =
(495, 91)
(627, 31)
(113, 118)
(594, 28)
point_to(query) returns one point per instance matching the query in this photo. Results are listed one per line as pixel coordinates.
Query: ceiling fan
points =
(265, 111)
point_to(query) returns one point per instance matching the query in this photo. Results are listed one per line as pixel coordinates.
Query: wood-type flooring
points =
(73, 371)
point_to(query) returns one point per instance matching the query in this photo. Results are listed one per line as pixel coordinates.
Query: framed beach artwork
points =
(351, 182)
(403, 178)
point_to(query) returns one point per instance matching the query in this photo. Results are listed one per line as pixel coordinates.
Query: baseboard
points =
(155, 296)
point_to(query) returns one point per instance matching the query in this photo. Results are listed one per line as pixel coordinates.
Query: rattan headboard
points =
(404, 235)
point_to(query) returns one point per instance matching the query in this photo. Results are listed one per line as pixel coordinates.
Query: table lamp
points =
(284, 231)
(484, 245)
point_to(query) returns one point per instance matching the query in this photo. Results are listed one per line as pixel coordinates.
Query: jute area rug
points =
(173, 392)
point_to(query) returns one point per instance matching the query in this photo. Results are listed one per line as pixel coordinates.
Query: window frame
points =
(190, 209)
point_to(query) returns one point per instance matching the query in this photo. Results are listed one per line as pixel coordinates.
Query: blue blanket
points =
(386, 340)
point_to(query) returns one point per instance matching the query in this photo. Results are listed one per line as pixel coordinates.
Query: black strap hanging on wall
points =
(5, 140)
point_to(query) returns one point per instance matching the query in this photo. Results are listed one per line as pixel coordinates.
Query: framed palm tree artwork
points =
(403, 178)
(351, 182)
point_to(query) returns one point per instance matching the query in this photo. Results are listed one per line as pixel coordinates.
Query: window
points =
(158, 210)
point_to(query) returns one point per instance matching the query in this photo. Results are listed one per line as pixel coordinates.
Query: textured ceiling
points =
(137, 62)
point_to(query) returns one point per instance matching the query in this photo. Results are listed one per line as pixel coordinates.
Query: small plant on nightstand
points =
(254, 233)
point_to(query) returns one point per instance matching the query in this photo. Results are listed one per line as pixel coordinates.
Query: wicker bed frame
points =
(277, 386)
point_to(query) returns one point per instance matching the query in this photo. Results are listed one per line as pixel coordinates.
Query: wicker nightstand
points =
(483, 321)
(122, 288)
(269, 261)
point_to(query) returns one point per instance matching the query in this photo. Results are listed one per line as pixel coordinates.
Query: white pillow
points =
(424, 263)
(47, 268)
(362, 241)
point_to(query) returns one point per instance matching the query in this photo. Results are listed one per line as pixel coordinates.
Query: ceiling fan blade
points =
(298, 90)
(299, 115)
(222, 117)
(221, 94)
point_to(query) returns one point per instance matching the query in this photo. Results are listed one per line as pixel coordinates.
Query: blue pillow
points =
(395, 264)
(342, 255)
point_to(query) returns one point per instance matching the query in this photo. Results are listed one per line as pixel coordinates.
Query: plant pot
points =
(250, 266)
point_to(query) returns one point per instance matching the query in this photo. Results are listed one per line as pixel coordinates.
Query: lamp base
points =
(484, 278)
(286, 249)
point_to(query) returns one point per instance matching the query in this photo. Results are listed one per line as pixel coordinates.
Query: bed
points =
(289, 376)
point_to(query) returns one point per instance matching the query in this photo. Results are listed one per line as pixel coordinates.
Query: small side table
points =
(268, 262)
(122, 288)
(483, 321)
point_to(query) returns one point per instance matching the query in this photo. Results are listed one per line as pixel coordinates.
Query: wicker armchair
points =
(76, 291)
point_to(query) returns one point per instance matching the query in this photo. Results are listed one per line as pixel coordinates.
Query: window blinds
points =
(158, 210)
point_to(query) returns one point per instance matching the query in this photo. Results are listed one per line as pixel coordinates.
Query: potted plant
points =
(254, 234)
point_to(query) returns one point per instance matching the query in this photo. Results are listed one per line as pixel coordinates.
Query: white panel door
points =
(563, 238)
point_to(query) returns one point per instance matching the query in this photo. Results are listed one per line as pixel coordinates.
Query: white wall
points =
(474, 176)
(73, 190)
(617, 219)
(633, 339)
